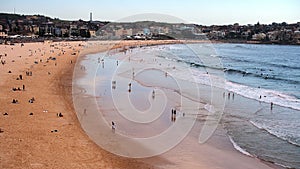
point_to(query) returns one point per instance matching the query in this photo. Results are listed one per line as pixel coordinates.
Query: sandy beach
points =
(42, 139)
(35, 135)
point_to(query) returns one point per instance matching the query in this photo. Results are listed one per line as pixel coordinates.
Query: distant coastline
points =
(254, 42)
(30, 40)
(15, 28)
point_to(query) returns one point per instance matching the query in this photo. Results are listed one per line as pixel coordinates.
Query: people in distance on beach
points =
(153, 94)
(129, 87)
(113, 125)
(173, 117)
(28, 73)
(113, 84)
(59, 114)
(3, 62)
(31, 100)
(15, 101)
(271, 105)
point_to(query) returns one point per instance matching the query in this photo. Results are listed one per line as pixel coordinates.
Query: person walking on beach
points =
(173, 117)
(153, 94)
(113, 125)
(129, 87)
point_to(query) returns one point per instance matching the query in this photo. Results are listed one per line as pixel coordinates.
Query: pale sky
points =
(205, 12)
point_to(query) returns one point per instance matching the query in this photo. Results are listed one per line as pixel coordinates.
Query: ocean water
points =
(256, 74)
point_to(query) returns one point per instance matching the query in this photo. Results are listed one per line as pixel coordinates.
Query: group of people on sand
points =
(31, 100)
(229, 95)
(3, 62)
(18, 88)
(21, 77)
(28, 73)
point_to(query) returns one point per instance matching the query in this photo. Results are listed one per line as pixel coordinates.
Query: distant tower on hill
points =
(91, 16)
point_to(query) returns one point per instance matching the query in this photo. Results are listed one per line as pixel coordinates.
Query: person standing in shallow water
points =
(271, 105)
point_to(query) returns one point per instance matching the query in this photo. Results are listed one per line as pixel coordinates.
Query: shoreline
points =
(232, 150)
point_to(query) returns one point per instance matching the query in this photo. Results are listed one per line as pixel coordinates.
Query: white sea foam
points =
(209, 108)
(267, 95)
(238, 148)
(284, 166)
(282, 131)
(216, 78)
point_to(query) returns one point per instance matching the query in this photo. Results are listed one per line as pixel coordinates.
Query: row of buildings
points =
(37, 26)
(12, 25)
(272, 33)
